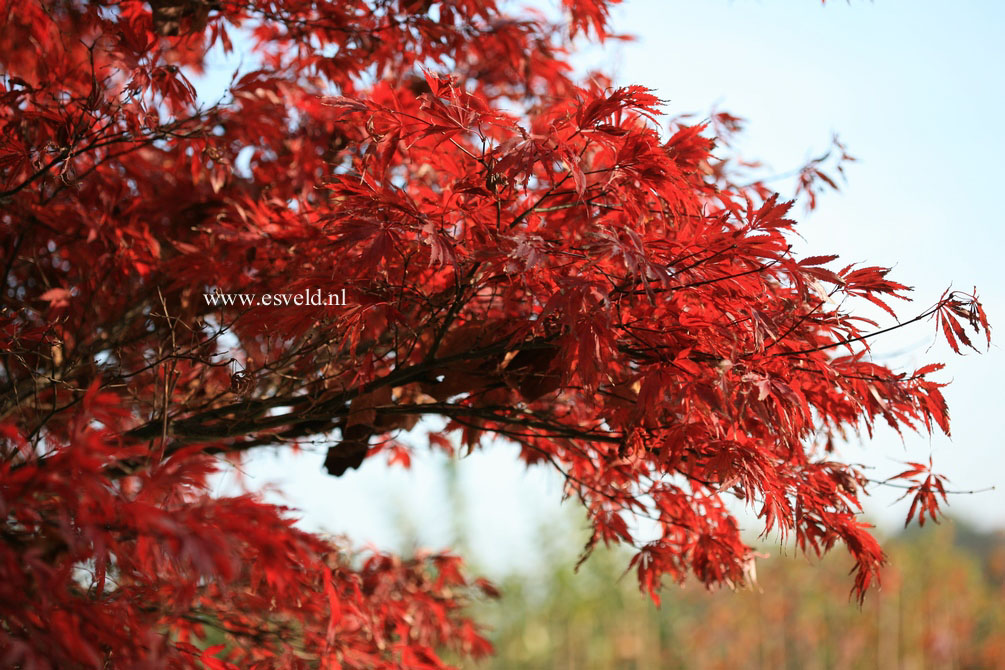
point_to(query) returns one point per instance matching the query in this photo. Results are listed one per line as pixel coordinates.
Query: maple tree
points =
(529, 255)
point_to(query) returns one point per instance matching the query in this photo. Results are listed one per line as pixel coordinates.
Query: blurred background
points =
(914, 89)
(942, 605)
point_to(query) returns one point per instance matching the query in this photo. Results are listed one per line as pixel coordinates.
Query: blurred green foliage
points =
(942, 605)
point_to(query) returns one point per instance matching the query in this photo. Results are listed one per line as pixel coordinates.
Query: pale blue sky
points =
(914, 88)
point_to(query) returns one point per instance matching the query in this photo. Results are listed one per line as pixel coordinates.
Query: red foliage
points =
(524, 254)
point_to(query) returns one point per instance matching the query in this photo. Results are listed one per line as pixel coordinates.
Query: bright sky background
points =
(914, 88)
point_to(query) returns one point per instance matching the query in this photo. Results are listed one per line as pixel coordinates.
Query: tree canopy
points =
(531, 255)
